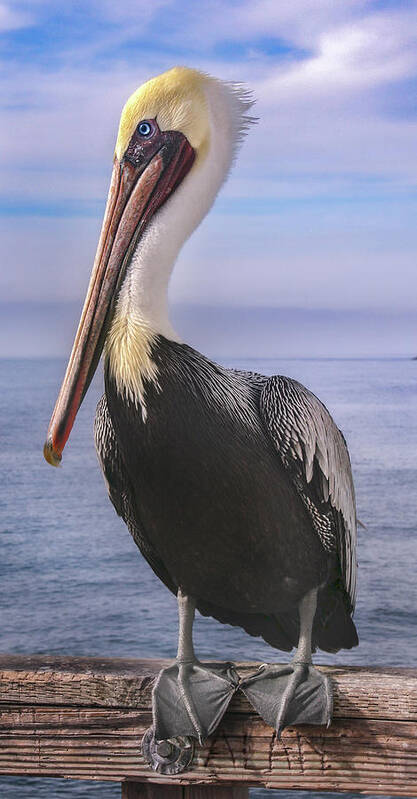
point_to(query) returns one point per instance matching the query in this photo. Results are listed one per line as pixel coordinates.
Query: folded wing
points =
(314, 452)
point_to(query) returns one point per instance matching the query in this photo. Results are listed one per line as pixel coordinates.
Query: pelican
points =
(236, 487)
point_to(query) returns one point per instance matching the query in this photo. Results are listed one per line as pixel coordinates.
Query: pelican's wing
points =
(314, 452)
(121, 492)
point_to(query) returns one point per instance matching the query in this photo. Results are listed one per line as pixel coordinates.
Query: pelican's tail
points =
(334, 627)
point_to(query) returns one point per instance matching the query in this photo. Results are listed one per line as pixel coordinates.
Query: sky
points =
(318, 216)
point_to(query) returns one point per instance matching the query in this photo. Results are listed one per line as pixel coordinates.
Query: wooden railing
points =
(84, 718)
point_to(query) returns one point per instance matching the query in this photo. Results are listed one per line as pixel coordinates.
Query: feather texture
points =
(314, 451)
(212, 485)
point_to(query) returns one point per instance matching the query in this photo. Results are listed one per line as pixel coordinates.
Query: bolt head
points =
(164, 748)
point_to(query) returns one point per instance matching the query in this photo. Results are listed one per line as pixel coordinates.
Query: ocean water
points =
(73, 582)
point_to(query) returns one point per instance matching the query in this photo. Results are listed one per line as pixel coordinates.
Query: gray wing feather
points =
(314, 451)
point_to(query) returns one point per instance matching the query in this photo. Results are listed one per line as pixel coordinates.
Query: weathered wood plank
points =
(42, 679)
(359, 692)
(84, 718)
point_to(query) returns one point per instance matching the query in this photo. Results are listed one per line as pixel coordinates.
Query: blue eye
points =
(144, 129)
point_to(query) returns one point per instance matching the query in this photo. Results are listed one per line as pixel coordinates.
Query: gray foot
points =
(293, 694)
(191, 698)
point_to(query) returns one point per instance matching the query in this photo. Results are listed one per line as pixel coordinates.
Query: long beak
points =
(137, 190)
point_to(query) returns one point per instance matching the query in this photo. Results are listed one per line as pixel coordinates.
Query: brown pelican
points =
(236, 487)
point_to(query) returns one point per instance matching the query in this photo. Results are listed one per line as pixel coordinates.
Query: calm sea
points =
(72, 581)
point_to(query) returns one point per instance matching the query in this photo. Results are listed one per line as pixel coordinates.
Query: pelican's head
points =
(177, 137)
(173, 101)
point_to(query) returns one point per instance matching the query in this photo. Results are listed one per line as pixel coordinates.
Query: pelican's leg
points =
(189, 697)
(297, 693)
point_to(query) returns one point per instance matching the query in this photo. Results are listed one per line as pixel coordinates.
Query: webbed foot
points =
(294, 694)
(190, 698)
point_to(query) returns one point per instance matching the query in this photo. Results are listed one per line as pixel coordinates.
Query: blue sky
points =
(320, 211)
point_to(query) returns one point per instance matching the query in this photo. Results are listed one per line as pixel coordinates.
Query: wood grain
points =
(85, 717)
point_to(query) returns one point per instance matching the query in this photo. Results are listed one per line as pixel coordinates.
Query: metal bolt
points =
(164, 748)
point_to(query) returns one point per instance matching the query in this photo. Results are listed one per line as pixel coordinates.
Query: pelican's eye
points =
(145, 129)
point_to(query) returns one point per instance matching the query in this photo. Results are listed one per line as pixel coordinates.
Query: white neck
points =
(143, 303)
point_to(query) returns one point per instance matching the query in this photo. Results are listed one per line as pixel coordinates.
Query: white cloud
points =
(12, 19)
(298, 22)
(310, 256)
(129, 11)
(364, 54)
(322, 136)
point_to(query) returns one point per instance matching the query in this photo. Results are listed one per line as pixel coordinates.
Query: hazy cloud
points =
(12, 19)
(320, 209)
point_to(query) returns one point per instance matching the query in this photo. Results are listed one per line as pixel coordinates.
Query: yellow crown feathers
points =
(177, 101)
